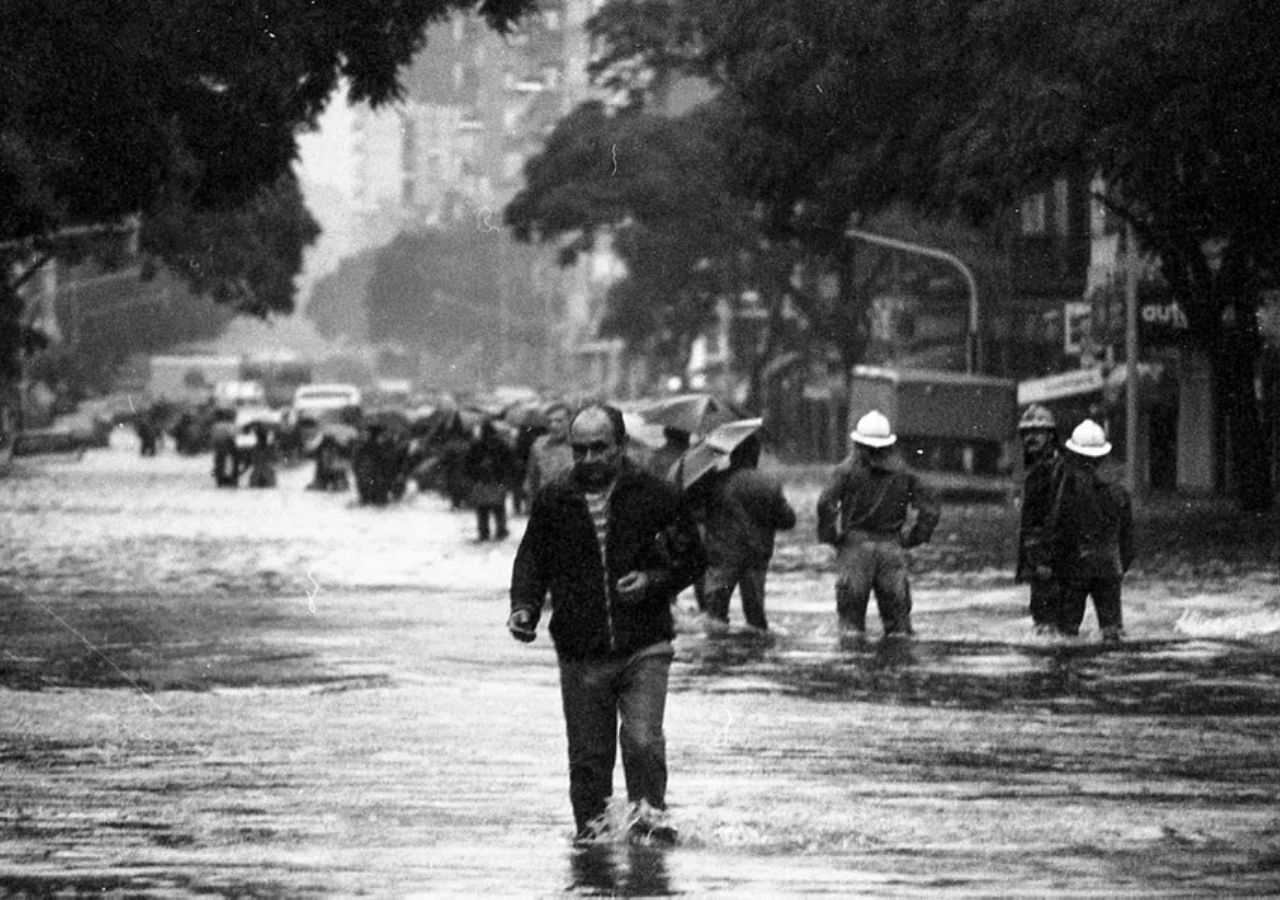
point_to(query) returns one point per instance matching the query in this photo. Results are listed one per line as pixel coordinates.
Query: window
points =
(1077, 325)
(1032, 212)
(1061, 207)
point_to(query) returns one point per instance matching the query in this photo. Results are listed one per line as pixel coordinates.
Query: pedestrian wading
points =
(611, 546)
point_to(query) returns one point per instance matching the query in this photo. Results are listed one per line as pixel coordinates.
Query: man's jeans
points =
(597, 693)
(871, 562)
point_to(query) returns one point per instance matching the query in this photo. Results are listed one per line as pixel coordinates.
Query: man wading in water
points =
(612, 545)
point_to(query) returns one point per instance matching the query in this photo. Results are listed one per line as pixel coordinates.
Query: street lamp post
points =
(972, 360)
(1131, 359)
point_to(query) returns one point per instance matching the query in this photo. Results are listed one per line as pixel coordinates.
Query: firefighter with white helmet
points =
(863, 512)
(1042, 467)
(1090, 533)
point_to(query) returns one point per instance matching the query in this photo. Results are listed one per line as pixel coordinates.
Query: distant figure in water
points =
(262, 465)
(489, 466)
(863, 512)
(1090, 532)
(226, 456)
(743, 509)
(1042, 462)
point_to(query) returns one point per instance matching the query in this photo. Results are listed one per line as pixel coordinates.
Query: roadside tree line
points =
(824, 114)
(178, 122)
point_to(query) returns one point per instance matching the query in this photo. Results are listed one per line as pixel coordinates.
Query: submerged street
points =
(282, 693)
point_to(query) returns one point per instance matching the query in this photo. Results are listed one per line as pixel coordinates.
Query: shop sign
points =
(1162, 321)
(1064, 384)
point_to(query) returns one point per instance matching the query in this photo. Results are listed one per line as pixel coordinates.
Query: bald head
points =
(596, 436)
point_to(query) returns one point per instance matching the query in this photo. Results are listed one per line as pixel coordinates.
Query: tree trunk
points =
(1234, 364)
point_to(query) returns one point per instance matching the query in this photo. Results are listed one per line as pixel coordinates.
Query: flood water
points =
(280, 693)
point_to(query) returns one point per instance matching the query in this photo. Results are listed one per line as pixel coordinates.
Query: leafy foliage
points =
(658, 186)
(184, 112)
(109, 106)
(245, 258)
(436, 289)
(338, 300)
(843, 109)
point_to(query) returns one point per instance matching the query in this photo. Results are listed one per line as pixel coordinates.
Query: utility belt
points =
(864, 535)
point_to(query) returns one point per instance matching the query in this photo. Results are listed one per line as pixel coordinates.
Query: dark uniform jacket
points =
(876, 499)
(1038, 491)
(1090, 528)
(649, 529)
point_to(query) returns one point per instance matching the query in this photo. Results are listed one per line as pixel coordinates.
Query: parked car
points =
(233, 394)
(309, 398)
(314, 407)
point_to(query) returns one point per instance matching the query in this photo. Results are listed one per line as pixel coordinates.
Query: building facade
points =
(451, 154)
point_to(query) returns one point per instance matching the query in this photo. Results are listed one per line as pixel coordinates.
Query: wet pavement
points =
(280, 693)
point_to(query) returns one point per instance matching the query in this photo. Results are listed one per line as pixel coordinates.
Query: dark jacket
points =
(876, 498)
(649, 529)
(1090, 528)
(489, 465)
(1038, 490)
(744, 507)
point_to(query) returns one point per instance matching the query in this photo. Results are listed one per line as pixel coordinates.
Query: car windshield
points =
(311, 396)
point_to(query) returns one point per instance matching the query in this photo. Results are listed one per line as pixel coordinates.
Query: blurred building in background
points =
(451, 155)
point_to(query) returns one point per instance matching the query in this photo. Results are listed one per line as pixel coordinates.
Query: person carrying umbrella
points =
(675, 443)
(742, 509)
(863, 512)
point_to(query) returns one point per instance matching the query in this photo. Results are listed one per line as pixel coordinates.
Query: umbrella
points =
(340, 434)
(694, 413)
(249, 416)
(473, 415)
(387, 418)
(712, 454)
(525, 414)
(640, 431)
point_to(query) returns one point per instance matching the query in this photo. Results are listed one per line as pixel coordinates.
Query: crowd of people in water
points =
(1075, 539)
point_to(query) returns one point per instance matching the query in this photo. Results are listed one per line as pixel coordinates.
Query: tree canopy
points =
(970, 106)
(178, 112)
(436, 290)
(109, 107)
(843, 109)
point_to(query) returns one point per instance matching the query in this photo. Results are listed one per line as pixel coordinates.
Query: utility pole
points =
(1131, 359)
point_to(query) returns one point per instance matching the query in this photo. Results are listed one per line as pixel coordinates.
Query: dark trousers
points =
(868, 563)
(499, 513)
(1106, 603)
(719, 582)
(1046, 598)
(597, 694)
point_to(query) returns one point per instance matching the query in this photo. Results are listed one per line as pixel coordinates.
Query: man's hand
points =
(633, 586)
(520, 624)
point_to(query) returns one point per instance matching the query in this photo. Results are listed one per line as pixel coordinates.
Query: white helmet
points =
(873, 431)
(1089, 440)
